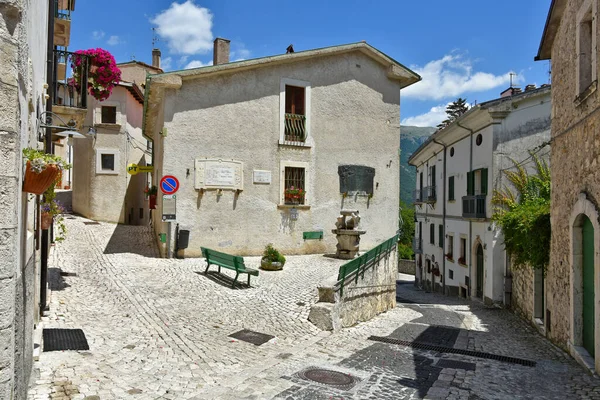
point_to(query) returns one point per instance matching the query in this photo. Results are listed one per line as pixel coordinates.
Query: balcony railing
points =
(69, 91)
(417, 196)
(295, 128)
(418, 245)
(429, 194)
(474, 207)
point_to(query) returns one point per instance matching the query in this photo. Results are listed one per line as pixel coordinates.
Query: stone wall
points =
(521, 300)
(406, 267)
(576, 149)
(373, 294)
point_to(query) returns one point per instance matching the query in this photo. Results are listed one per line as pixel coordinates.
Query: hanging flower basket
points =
(37, 183)
(46, 220)
(102, 72)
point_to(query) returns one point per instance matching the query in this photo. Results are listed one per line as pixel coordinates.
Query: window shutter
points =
(432, 233)
(451, 188)
(441, 235)
(470, 177)
(433, 176)
(484, 181)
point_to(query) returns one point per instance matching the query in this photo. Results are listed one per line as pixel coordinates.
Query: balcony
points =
(418, 245)
(295, 128)
(425, 195)
(62, 22)
(69, 94)
(474, 207)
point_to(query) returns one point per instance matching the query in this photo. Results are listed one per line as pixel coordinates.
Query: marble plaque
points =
(262, 176)
(219, 174)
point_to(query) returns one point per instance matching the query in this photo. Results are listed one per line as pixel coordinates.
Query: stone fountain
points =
(347, 234)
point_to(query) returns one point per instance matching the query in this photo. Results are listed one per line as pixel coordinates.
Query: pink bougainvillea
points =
(103, 73)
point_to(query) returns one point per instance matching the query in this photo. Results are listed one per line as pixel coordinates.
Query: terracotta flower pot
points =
(152, 202)
(46, 220)
(38, 183)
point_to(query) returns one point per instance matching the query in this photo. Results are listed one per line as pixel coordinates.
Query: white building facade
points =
(459, 250)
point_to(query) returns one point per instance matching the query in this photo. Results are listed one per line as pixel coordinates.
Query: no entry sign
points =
(169, 184)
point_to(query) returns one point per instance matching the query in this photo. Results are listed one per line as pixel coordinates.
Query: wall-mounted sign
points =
(356, 178)
(134, 169)
(169, 184)
(261, 176)
(219, 174)
(169, 207)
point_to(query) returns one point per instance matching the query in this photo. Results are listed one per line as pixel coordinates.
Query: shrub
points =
(271, 254)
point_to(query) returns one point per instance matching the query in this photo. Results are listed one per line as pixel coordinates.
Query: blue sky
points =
(461, 48)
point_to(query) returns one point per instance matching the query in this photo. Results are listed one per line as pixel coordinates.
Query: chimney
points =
(529, 87)
(221, 51)
(156, 58)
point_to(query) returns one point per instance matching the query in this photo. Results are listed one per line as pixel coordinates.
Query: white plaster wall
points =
(457, 166)
(236, 116)
(457, 228)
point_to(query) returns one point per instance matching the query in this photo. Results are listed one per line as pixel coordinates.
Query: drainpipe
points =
(443, 219)
(470, 222)
(48, 148)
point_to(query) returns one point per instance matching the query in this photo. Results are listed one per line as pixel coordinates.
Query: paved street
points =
(158, 329)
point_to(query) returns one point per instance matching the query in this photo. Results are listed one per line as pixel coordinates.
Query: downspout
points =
(48, 149)
(470, 222)
(443, 219)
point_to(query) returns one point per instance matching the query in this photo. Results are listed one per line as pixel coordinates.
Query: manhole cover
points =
(339, 380)
(456, 365)
(92, 223)
(64, 339)
(256, 338)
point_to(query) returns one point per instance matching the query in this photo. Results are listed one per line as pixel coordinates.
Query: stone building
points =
(102, 187)
(570, 40)
(459, 250)
(243, 137)
(26, 89)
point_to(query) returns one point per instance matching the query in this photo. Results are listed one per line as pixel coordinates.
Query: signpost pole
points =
(169, 239)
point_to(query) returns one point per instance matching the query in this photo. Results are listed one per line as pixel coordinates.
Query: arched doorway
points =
(479, 264)
(588, 285)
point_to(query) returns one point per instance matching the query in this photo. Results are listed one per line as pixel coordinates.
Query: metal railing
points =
(69, 90)
(429, 194)
(295, 128)
(474, 207)
(417, 196)
(353, 269)
(62, 11)
(417, 245)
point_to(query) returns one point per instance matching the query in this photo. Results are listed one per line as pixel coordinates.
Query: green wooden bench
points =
(235, 263)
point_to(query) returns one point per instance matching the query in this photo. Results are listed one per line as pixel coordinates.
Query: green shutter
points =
(470, 177)
(484, 180)
(451, 188)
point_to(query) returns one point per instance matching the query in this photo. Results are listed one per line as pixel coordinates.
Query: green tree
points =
(453, 111)
(407, 231)
(523, 213)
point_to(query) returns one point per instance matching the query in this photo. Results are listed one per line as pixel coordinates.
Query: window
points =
(463, 245)
(586, 46)
(109, 115)
(450, 249)
(432, 176)
(441, 236)
(295, 112)
(432, 233)
(294, 183)
(477, 182)
(479, 140)
(450, 274)
(451, 151)
(451, 188)
(107, 161)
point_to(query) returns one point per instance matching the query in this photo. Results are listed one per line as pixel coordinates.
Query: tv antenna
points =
(154, 37)
(132, 56)
(511, 77)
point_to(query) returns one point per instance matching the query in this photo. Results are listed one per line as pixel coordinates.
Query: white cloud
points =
(240, 53)
(165, 63)
(97, 35)
(431, 118)
(113, 40)
(452, 76)
(186, 27)
(197, 64)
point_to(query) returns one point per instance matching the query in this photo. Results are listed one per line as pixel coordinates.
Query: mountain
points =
(411, 137)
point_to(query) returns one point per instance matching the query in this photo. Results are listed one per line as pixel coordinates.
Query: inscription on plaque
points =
(356, 179)
(262, 176)
(219, 174)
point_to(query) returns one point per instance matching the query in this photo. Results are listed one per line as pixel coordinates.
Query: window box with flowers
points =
(294, 195)
(450, 257)
(102, 72)
(462, 261)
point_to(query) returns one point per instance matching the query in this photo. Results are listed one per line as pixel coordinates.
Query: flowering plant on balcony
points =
(294, 193)
(450, 256)
(462, 261)
(103, 73)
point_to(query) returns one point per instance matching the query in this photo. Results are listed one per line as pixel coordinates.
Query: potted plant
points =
(462, 261)
(272, 259)
(102, 72)
(52, 211)
(294, 195)
(42, 170)
(151, 193)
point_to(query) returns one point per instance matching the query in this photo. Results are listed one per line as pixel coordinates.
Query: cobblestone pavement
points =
(158, 329)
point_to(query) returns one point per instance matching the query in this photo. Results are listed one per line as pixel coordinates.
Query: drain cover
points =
(64, 339)
(329, 377)
(256, 338)
(455, 364)
(92, 223)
